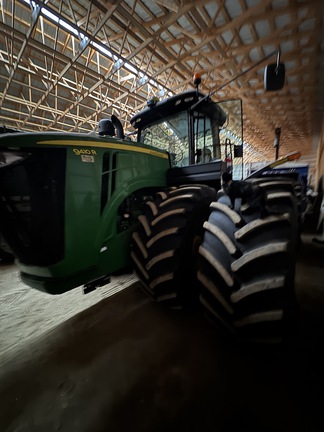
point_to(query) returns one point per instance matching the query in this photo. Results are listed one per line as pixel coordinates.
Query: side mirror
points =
(274, 76)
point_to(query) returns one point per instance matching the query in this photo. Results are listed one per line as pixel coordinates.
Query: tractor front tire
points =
(164, 248)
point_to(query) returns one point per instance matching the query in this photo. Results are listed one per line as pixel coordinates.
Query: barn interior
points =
(114, 359)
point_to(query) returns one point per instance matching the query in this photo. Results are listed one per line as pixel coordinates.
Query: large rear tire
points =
(247, 267)
(165, 246)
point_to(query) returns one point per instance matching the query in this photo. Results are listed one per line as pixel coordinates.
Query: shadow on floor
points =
(128, 364)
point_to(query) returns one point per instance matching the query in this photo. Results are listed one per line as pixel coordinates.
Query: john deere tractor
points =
(78, 208)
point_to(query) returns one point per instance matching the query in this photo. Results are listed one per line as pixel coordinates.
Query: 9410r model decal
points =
(108, 145)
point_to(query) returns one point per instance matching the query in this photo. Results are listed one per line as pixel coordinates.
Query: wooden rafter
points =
(51, 78)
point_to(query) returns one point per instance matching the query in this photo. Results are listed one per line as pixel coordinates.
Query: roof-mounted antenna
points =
(278, 60)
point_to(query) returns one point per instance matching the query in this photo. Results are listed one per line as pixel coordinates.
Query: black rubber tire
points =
(278, 184)
(165, 246)
(247, 268)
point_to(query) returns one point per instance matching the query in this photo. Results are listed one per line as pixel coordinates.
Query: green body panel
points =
(93, 247)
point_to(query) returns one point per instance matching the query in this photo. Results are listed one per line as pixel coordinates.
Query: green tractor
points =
(78, 208)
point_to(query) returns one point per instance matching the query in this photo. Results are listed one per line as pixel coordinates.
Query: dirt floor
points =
(122, 363)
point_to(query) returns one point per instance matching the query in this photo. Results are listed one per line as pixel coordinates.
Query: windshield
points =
(171, 134)
(212, 140)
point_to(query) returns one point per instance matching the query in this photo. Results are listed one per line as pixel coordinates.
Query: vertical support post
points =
(276, 143)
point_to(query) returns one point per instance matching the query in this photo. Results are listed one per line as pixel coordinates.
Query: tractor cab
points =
(203, 137)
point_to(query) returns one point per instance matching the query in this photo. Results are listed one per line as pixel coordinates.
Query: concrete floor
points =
(127, 364)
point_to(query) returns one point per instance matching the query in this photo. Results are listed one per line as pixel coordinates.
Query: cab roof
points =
(181, 102)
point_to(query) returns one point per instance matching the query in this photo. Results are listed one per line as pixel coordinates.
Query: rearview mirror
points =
(274, 76)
